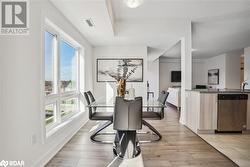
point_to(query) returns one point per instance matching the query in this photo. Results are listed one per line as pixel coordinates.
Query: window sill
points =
(65, 122)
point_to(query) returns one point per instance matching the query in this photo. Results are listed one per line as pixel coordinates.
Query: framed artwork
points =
(213, 76)
(112, 70)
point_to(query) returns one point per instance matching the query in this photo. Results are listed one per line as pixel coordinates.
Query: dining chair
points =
(98, 116)
(127, 120)
(91, 96)
(156, 114)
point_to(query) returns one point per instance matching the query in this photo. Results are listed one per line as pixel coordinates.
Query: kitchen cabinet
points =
(208, 112)
(202, 110)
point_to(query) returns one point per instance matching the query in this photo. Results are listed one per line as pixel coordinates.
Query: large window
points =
(49, 63)
(69, 106)
(61, 79)
(68, 65)
(50, 114)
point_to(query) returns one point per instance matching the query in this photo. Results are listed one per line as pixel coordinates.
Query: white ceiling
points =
(218, 25)
(174, 52)
(179, 9)
(214, 37)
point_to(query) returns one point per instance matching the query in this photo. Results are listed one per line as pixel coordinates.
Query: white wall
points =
(166, 66)
(233, 69)
(1, 99)
(247, 66)
(217, 62)
(186, 71)
(152, 76)
(229, 66)
(22, 96)
(199, 72)
(108, 89)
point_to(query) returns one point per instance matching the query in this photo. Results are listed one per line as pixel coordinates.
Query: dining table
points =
(148, 105)
(101, 102)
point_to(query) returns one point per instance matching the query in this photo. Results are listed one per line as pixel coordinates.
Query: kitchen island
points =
(202, 109)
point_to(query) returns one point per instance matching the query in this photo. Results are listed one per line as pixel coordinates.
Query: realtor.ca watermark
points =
(4, 163)
(14, 17)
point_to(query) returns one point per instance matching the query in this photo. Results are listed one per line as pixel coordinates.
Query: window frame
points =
(54, 112)
(54, 60)
(64, 118)
(56, 97)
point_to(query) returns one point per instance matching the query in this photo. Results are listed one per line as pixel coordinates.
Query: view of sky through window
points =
(48, 56)
(68, 67)
(49, 60)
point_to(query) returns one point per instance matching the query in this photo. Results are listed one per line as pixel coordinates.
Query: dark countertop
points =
(220, 90)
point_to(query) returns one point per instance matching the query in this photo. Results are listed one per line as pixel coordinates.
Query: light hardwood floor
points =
(234, 146)
(178, 147)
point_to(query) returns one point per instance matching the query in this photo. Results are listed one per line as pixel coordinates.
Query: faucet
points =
(243, 85)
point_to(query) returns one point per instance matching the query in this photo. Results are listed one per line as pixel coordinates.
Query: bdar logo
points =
(4, 163)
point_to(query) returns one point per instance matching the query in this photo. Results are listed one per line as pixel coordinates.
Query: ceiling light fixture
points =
(133, 3)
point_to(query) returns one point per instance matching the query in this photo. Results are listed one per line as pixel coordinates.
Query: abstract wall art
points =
(112, 70)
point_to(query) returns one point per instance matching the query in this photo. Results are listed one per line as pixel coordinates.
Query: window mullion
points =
(55, 63)
(58, 115)
(78, 69)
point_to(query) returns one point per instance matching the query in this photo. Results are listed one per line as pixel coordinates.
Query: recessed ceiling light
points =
(133, 3)
(90, 22)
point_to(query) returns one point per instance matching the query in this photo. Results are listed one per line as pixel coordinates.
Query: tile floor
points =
(234, 146)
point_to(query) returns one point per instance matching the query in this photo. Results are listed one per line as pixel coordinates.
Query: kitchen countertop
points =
(220, 90)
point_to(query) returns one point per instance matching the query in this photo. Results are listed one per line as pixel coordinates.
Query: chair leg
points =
(145, 123)
(96, 133)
